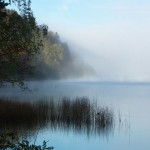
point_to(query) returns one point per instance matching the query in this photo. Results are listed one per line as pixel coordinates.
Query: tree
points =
(23, 5)
(20, 40)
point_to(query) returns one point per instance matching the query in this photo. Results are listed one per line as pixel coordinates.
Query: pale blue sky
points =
(81, 12)
(114, 34)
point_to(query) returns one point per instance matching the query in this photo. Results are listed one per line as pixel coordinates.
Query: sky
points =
(113, 36)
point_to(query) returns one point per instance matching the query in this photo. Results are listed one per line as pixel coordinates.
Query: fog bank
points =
(117, 52)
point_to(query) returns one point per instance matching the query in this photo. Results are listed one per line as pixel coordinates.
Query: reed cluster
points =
(79, 114)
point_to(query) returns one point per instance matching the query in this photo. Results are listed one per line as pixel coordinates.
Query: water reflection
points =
(79, 115)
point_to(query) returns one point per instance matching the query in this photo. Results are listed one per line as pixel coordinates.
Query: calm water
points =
(130, 103)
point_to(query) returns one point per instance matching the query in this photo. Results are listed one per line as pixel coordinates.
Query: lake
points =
(130, 103)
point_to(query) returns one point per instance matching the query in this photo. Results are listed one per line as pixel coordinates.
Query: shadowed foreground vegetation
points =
(9, 141)
(79, 115)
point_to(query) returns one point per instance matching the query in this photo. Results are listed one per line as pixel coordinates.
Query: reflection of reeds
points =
(78, 114)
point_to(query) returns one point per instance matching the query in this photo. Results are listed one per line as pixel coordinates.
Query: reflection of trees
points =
(79, 115)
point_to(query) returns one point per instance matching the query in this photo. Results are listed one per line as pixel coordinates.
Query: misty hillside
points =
(56, 61)
(29, 51)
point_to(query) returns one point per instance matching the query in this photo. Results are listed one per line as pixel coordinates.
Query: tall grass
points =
(78, 114)
(16, 111)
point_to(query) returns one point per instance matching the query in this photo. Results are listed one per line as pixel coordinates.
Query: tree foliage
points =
(24, 6)
(20, 40)
(28, 50)
(52, 57)
(10, 141)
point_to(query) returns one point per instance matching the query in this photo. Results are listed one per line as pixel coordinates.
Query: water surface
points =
(129, 101)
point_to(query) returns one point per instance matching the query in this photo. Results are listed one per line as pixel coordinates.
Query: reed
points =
(16, 111)
(79, 114)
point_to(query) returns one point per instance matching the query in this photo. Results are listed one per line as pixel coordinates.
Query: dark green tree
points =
(20, 40)
(24, 6)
